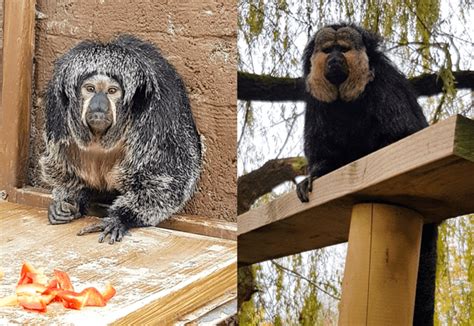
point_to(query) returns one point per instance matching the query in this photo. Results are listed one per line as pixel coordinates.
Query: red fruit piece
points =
(64, 282)
(109, 292)
(26, 273)
(32, 302)
(94, 297)
(72, 299)
(30, 289)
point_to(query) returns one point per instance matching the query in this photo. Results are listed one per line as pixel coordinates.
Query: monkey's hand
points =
(304, 188)
(61, 212)
(108, 225)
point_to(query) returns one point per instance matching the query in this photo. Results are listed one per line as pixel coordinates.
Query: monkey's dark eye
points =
(345, 48)
(112, 90)
(90, 89)
(327, 50)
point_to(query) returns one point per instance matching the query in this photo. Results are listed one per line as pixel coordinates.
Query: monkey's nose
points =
(99, 103)
(336, 70)
(335, 61)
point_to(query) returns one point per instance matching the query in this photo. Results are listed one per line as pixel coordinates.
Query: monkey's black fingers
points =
(96, 227)
(60, 212)
(108, 226)
(115, 228)
(108, 229)
(302, 191)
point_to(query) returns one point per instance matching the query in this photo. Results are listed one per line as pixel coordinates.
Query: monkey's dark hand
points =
(108, 225)
(61, 212)
(304, 188)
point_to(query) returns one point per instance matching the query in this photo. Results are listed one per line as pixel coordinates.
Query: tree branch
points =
(253, 87)
(310, 282)
(257, 183)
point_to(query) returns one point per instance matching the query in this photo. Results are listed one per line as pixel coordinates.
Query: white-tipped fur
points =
(151, 154)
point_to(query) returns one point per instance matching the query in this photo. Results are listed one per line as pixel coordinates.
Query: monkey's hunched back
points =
(149, 150)
(357, 102)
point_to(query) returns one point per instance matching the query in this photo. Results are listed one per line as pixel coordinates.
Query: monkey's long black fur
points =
(339, 132)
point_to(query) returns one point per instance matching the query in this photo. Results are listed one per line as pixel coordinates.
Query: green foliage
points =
(255, 18)
(455, 272)
(250, 315)
(312, 307)
(427, 14)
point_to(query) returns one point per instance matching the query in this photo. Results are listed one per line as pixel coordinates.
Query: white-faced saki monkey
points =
(358, 102)
(118, 119)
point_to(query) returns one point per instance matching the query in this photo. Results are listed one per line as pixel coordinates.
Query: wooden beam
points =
(41, 198)
(430, 172)
(381, 266)
(213, 313)
(160, 275)
(202, 225)
(31, 196)
(18, 45)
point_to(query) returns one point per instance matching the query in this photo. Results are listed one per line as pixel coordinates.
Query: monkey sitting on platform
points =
(118, 119)
(357, 102)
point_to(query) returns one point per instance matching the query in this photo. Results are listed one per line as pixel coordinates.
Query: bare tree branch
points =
(257, 183)
(334, 296)
(253, 87)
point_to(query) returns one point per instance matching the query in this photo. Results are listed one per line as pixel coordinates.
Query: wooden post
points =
(381, 266)
(18, 44)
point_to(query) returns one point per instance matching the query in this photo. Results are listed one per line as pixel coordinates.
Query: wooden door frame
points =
(18, 52)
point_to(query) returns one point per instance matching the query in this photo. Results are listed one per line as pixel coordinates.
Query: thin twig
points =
(306, 279)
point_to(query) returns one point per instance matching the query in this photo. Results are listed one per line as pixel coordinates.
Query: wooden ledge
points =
(187, 223)
(160, 275)
(430, 171)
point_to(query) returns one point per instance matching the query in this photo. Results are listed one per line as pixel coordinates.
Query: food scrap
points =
(35, 291)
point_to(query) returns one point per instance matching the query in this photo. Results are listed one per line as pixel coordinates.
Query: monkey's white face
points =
(100, 96)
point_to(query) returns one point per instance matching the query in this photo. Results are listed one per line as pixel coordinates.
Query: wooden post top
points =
(431, 171)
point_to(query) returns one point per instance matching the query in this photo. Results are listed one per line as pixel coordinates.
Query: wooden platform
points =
(160, 275)
(431, 172)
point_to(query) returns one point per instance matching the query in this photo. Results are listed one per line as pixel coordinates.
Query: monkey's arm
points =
(70, 197)
(148, 197)
(315, 171)
(120, 218)
(320, 152)
(67, 205)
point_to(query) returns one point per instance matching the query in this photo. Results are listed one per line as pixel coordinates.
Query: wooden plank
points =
(202, 225)
(430, 172)
(178, 303)
(160, 275)
(211, 314)
(186, 223)
(381, 266)
(18, 45)
(30, 196)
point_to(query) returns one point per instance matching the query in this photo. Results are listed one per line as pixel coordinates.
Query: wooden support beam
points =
(18, 45)
(381, 266)
(430, 172)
